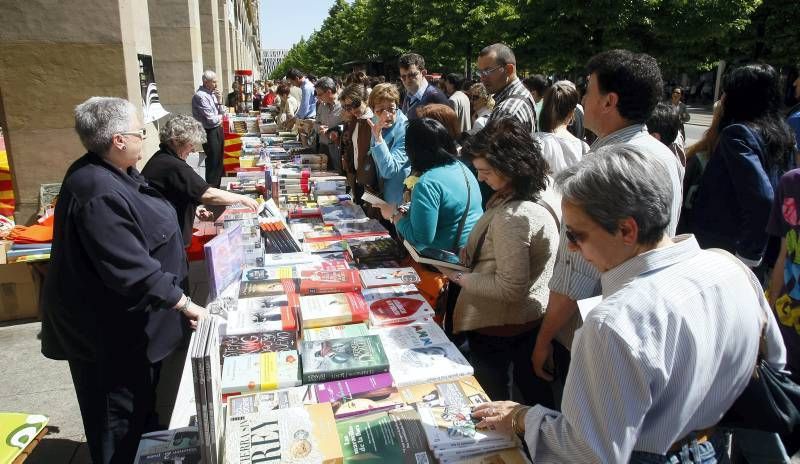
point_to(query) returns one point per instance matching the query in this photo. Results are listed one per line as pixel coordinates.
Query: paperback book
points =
(205, 360)
(316, 282)
(377, 249)
(432, 363)
(251, 373)
(224, 258)
(396, 305)
(332, 309)
(394, 437)
(298, 435)
(359, 395)
(344, 211)
(258, 342)
(386, 277)
(262, 314)
(335, 331)
(267, 401)
(407, 336)
(175, 445)
(363, 228)
(343, 358)
(327, 246)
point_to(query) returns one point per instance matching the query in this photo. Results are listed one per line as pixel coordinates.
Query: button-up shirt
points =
(514, 101)
(670, 347)
(206, 109)
(308, 101)
(573, 275)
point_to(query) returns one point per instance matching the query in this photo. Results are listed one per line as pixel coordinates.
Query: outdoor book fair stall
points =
(322, 347)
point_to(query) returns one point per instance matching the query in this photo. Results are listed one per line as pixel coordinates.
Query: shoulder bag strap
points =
(463, 220)
(550, 210)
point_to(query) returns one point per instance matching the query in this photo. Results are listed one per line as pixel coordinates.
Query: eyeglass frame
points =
(141, 133)
(393, 110)
(410, 75)
(487, 72)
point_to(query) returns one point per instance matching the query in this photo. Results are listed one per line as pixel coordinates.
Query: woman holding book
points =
(446, 201)
(511, 251)
(112, 305)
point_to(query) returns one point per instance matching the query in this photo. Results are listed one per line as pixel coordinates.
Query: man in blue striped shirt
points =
(308, 99)
(669, 348)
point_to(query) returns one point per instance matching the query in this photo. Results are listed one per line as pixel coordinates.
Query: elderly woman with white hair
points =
(112, 304)
(168, 172)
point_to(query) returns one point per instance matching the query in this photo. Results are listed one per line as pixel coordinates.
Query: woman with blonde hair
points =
(481, 105)
(388, 145)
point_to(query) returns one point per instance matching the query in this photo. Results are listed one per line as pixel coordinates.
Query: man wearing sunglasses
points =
(497, 68)
(418, 91)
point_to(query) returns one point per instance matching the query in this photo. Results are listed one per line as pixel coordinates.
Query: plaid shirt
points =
(514, 101)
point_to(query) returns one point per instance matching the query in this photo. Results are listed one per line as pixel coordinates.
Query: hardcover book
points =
(327, 246)
(299, 435)
(283, 259)
(316, 282)
(258, 342)
(503, 456)
(355, 229)
(267, 401)
(343, 358)
(332, 309)
(359, 395)
(224, 258)
(176, 445)
(386, 277)
(379, 249)
(251, 373)
(395, 437)
(407, 336)
(267, 313)
(268, 274)
(395, 305)
(431, 363)
(265, 288)
(335, 331)
(344, 211)
(433, 394)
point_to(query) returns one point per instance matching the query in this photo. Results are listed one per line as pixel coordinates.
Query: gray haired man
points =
(327, 122)
(208, 110)
(671, 345)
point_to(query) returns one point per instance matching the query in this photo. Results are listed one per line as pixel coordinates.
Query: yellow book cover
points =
(430, 393)
(19, 430)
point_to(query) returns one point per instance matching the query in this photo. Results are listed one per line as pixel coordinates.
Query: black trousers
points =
(215, 140)
(117, 401)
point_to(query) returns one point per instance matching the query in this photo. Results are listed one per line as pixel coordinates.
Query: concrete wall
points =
(210, 36)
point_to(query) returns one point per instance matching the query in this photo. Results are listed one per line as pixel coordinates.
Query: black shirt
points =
(179, 184)
(115, 269)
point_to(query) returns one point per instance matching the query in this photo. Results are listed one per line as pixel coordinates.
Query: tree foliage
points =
(548, 36)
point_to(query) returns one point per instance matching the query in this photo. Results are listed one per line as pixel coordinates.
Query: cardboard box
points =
(19, 291)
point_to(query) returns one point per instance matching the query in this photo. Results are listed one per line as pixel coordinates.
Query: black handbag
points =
(771, 401)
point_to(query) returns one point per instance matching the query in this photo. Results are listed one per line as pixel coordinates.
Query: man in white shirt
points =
(669, 348)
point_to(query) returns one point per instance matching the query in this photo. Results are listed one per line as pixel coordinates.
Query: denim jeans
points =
(713, 451)
(756, 447)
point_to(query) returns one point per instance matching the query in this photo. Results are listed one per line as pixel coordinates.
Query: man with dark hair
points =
(308, 99)
(418, 91)
(537, 85)
(623, 88)
(665, 125)
(497, 68)
(328, 121)
(459, 101)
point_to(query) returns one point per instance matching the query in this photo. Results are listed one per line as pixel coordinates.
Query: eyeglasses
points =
(391, 109)
(412, 75)
(487, 72)
(141, 133)
(356, 103)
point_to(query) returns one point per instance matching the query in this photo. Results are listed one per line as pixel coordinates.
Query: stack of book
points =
(204, 350)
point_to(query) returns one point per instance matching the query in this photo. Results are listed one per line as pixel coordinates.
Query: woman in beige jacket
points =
(511, 251)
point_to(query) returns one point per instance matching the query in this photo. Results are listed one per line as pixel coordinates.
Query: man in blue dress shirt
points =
(308, 101)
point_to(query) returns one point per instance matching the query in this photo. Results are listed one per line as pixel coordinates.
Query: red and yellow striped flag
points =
(7, 202)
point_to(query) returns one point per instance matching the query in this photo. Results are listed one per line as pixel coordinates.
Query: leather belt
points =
(701, 436)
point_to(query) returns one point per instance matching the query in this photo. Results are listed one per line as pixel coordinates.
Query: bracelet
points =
(515, 421)
(185, 306)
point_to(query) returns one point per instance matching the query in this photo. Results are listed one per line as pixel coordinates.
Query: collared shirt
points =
(667, 351)
(206, 109)
(328, 115)
(573, 275)
(514, 101)
(417, 96)
(308, 101)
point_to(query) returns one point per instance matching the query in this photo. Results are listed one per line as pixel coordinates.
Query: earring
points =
(124, 147)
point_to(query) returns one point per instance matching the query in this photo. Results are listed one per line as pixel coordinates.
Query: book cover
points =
(17, 431)
(266, 288)
(502, 456)
(354, 229)
(327, 246)
(335, 331)
(359, 395)
(387, 310)
(299, 435)
(345, 211)
(267, 313)
(407, 336)
(343, 358)
(432, 363)
(268, 274)
(379, 249)
(258, 342)
(288, 259)
(321, 234)
(436, 257)
(386, 277)
(332, 309)
(267, 401)
(176, 445)
(260, 372)
(433, 395)
(395, 437)
(315, 282)
(224, 257)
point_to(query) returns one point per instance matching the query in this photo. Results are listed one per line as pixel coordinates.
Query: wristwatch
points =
(185, 306)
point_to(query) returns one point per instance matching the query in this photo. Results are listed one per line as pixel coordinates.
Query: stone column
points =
(225, 76)
(210, 36)
(177, 51)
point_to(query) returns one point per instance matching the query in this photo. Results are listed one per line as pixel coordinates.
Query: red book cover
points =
(319, 281)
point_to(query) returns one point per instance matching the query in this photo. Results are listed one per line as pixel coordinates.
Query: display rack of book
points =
(319, 347)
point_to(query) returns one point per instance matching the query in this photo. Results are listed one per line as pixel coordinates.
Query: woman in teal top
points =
(439, 198)
(388, 145)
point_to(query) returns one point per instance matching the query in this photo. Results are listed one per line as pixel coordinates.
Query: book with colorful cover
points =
(344, 211)
(396, 304)
(261, 314)
(18, 431)
(386, 277)
(267, 401)
(360, 395)
(258, 342)
(343, 358)
(335, 331)
(224, 258)
(251, 373)
(317, 282)
(433, 363)
(419, 334)
(433, 394)
(394, 437)
(288, 259)
(249, 289)
(175, 445)
(332, 309)
(321, 234)
(269, 274)
(328, 264)
(362, 228)
(327, 246)
(370, 249)
(298, 435)
(503, 456)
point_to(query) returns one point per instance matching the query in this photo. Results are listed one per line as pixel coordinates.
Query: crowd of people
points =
(549, 194)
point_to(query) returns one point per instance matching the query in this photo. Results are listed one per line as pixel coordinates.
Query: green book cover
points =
(343, 358)
(395, 437)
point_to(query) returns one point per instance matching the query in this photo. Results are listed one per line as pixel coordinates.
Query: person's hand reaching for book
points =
(193, 312)
(503, 416)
